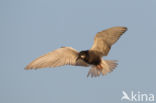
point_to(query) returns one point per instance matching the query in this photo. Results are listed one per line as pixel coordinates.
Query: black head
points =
(83, 55)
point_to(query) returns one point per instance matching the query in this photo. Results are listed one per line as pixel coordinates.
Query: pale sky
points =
(31, 28)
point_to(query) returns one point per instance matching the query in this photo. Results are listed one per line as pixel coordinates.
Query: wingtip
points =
(28, 67)
(125, 28)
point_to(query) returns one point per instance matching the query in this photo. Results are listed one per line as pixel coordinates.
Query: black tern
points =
(93, 57)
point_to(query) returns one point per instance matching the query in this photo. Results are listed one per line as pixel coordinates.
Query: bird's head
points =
(83, 55)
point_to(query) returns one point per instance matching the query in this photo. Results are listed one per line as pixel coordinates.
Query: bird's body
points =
(93, 57)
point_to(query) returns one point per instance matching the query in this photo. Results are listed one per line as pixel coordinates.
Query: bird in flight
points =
(93, 57)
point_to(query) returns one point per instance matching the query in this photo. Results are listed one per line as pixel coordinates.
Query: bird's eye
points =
(82, 56)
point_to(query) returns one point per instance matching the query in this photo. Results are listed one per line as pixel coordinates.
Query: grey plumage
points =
(58, 57)
(105, 39)
(93, 57)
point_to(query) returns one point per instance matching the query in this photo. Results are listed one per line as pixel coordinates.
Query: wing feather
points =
(105, 39)
(58, 57)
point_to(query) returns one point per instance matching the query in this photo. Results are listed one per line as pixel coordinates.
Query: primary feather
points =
(58, 57)
(105, 39)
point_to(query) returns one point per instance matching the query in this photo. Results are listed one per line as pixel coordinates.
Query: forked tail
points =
(107, 66)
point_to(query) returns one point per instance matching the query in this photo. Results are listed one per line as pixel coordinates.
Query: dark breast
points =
(93, 58)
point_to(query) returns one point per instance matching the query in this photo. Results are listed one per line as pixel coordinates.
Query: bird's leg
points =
(99, 66)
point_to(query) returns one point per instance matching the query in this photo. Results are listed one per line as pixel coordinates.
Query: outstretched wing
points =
(105, 39)
(58, 57)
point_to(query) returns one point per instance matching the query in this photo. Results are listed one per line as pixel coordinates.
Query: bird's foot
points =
(99, 67)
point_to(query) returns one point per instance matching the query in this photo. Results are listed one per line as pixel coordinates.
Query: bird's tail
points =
(107, 66)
